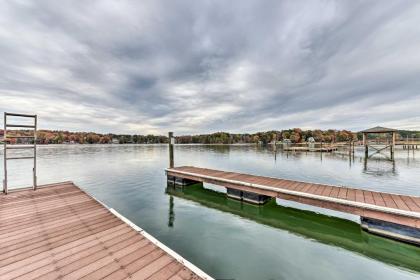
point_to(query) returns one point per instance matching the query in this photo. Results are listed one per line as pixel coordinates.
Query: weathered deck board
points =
(59, 231)
(400, 209)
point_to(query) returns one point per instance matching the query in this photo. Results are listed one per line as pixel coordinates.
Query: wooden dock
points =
(309, 149)
(391, 215)
(61, 232)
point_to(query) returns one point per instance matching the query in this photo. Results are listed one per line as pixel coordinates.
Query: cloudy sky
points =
(204, 66)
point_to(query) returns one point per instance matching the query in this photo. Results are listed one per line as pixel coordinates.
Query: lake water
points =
(232, 240)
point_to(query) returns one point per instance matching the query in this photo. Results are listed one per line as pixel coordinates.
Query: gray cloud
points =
(202, 66)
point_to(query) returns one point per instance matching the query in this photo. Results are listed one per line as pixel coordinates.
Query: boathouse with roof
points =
(379, 147)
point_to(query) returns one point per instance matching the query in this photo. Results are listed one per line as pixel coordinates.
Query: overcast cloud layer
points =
(204, 66)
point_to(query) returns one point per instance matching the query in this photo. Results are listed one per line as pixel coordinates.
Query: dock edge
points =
(302, 194)
(152, 239)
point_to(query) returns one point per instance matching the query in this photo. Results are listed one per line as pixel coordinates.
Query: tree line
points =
(295, 135)
(67, 137)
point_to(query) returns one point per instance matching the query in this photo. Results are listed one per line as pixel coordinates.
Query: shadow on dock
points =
(325, 229)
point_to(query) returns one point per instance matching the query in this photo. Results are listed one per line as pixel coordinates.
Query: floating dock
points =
(391, 215)
(61, 232)
(333, 231)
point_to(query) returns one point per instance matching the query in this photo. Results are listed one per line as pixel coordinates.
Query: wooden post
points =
(275, 150)
(34, 170)
(392, 145)
(171, 149)
(365, 143)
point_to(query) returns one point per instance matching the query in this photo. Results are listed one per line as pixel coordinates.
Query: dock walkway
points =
(384, 207)
(61, 232)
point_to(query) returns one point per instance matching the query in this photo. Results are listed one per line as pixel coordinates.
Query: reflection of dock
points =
(309, 149)
(60, 232)
(328, 230)
(395, 216)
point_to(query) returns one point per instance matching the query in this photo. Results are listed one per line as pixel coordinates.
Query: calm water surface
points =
(231, 240)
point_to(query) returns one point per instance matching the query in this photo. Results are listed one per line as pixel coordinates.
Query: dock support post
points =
(171, 141)
(349, 148)
(275, 151)
(393, 146)
(35, 184)
(365, 143)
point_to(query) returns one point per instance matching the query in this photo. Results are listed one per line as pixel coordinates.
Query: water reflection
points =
(376, 164)
(324, 229)
(214, 148)
(130, 179)
(381, 168)
(171, 213)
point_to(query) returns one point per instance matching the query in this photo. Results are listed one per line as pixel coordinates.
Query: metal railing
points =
(9, 146)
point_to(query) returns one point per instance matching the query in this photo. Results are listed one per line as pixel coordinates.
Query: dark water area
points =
(233, 240)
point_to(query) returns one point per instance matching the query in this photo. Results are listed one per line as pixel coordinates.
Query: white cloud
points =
(200, 66)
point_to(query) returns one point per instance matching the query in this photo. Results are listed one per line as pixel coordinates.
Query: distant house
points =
(287, 142)
(311, 142)
(115, 141)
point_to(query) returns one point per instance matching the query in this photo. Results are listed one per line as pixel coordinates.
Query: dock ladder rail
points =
(19, 146)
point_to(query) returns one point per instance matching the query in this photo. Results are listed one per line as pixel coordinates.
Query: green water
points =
(325, 229)
(231, 240)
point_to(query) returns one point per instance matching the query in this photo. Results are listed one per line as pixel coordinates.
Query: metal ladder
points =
(19, 146)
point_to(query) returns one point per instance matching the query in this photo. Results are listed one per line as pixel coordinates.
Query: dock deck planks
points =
(60, 232)
(399, 209)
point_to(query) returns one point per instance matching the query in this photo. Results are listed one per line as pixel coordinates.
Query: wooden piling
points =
(365, 143)
(393, 145)
(171, 142)
(349, 148)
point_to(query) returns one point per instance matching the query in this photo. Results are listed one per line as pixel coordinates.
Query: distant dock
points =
(60, 232)
(309, 149)
(391, 215)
